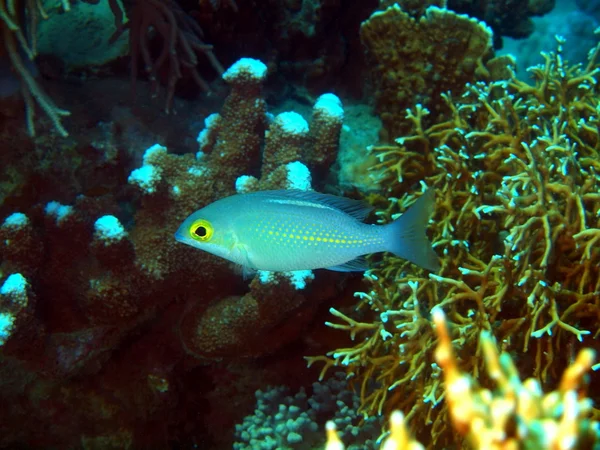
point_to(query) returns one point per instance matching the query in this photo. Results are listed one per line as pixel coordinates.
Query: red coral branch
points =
(182, 40)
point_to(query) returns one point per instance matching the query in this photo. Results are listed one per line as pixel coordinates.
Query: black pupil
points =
(200, 232)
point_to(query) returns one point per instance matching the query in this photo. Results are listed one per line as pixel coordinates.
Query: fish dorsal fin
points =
(355, 208)
(356, 265)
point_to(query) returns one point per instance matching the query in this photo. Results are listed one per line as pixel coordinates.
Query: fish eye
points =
(201, 230)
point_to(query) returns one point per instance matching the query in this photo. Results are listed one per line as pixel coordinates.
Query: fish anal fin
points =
(356, 265)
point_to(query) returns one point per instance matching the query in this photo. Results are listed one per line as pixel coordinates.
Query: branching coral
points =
(516, 415)
(515, 167)
(289, 140)
(266, 318)
(181, 42)
(18, 24)
(233, 138)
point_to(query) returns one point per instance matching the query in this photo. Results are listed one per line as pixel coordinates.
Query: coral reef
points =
(115, 335)
(18, 35)
(515, 415)
(515, 170)
(283, 421)
(506, 17)
(122, 273)
(181, 42)
(272, 314)
(413, 61)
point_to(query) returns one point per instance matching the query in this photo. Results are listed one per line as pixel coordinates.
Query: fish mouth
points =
(179, 237)
(184, 238)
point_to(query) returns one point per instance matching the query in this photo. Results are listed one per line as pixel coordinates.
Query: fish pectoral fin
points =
(248, 272)
(355, 265)
(243, 258)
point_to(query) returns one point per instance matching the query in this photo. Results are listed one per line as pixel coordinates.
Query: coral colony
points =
(114, 335)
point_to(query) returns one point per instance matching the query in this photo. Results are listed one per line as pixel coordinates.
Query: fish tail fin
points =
(406, 235)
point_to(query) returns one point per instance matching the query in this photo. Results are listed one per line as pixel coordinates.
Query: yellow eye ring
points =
(201, 230)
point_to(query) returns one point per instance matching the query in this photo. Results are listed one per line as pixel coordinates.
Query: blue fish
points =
(289, 230)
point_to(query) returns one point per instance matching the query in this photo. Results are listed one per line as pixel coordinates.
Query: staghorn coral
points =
(17, 304)
(118, 263)
(232, 139)
(20, 245)
(415, 60)
(515, 167)
(289, 140)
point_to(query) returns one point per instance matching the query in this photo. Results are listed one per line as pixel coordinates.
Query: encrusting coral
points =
(515, 415)
(517, 219)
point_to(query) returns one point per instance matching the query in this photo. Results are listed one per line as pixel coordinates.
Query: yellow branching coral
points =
(517, 223)
(515, 415)
(399, 438)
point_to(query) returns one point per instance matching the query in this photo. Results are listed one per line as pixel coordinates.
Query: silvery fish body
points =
(296, 230)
